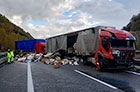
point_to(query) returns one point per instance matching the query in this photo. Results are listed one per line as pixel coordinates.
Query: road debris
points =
(38, 57)
(22, 59)
(57, 61)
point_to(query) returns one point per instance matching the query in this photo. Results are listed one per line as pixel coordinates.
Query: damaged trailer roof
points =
(75, 32)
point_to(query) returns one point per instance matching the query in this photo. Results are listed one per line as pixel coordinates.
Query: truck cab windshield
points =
(117, 43)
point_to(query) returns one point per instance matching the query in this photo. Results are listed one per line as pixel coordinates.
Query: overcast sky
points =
(46, 18)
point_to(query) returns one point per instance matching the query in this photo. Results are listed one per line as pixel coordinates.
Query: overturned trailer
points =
(97, 42)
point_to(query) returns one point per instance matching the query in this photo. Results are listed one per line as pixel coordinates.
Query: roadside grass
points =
(137, 46)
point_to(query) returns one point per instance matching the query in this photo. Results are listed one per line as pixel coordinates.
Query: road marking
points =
(113, 87)
(30, 87)
(133, 73)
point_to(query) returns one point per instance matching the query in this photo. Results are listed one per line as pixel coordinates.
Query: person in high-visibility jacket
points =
(9, 56)
(21, 53)
(12, 55)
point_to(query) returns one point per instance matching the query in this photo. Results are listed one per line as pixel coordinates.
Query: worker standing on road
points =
(20, 53)
(9, 56)
(12, 56)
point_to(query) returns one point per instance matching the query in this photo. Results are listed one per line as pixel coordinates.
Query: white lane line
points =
(133, 73)
(30, 87)
(113, 87)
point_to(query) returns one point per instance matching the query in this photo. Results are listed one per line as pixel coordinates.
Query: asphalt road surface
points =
(38, 77)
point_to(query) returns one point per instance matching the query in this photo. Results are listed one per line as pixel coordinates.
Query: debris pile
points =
(57, 61)
(27, 57)
(22, 59)
(37, 57)
(49, 59)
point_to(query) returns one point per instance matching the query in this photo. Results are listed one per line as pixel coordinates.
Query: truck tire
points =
(99, 64)
(85, 60)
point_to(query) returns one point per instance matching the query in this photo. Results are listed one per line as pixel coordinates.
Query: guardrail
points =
(3, 57)
(137, 61)
(137, 52)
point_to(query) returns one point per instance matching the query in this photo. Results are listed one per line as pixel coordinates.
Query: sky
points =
(47, 18)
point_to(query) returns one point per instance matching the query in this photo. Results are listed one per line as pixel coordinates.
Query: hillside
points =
(9, 33)
(134, 27)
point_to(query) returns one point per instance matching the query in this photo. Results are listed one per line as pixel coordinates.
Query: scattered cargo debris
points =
(22, 59)
(57, 61)
(38, 57)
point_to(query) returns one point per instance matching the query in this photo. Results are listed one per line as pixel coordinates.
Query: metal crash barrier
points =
(3, 57)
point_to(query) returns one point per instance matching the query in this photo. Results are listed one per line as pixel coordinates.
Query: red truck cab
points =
(40, 48)
(116, 49)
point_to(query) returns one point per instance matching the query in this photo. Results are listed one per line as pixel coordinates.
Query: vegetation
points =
(134, 27)
(9, 33)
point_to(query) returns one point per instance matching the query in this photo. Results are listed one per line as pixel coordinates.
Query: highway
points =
(38, 77)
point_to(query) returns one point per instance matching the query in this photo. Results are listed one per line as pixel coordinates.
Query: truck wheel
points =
(99, 65)
(85, 61)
